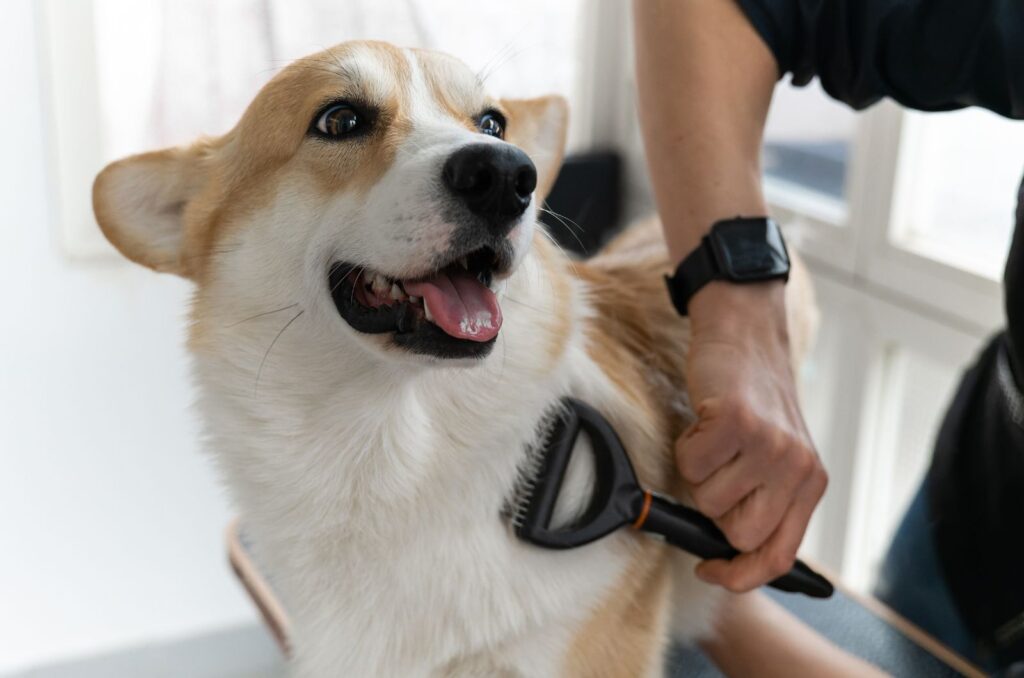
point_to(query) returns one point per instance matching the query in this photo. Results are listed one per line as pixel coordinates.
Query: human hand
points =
(749, 456)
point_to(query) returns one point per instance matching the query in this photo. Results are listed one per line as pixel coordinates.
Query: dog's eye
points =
(492, 123)
(338, 120)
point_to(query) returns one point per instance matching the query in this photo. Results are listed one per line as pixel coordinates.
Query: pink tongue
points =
(460, 304)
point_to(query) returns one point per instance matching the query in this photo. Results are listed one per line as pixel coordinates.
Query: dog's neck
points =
(355, 430)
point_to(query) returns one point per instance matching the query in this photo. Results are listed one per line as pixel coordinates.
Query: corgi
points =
(379, 326)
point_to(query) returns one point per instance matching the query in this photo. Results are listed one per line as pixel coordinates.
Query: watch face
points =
(749, 249)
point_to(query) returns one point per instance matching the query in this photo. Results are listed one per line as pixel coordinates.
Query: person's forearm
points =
(705, 81)
(754, 636)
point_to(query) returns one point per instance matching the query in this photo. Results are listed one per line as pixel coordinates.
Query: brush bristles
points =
(530, 468)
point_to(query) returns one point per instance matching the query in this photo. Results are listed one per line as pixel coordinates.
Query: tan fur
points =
(236, 174)
(641, 343)
(625, 635)
(459, 99)
(529, 123)
(557, 334)
(210, 189)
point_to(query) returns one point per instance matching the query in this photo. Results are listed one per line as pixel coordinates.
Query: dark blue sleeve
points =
(931, 55)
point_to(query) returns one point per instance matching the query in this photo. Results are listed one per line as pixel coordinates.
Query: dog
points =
(378, 329)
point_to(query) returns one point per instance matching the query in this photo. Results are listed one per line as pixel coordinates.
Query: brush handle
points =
(695, 533)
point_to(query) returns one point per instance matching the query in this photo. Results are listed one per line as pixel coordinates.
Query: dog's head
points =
(379, 187)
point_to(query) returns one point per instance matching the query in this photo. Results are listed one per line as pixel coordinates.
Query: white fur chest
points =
(377, 508)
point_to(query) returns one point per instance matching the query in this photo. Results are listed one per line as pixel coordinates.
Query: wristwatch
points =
(740, 250)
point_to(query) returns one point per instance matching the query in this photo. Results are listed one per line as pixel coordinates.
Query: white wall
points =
(110, 518)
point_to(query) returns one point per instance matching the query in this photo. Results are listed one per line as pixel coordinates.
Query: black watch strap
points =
(740, 250)
(694, 272)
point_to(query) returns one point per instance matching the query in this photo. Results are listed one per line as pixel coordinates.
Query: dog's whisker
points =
(529, 306)
(192, 257)
(546, 208)
(259, 371)
(572, 264)
(355, 278)
(562, 220)
(343, 278)
(512, 49)
(264, 313)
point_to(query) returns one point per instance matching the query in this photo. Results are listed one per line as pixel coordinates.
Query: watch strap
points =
(694, 272)
(740, 250)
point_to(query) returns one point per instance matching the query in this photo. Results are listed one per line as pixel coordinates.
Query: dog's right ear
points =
(140, 203)
(539, 126)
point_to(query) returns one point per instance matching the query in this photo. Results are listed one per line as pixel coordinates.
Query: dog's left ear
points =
(141, 202)
(539, 126)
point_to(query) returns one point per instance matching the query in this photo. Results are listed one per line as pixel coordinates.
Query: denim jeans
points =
(911, 582)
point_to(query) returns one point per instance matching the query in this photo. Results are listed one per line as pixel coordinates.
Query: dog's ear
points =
(539, 126)
(140, 203)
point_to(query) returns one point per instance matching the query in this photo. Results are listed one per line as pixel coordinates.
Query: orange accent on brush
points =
(642, 518)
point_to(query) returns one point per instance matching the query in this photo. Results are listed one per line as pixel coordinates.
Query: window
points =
(912, 392)
(807, 142)
(959, 188)
(907, 279)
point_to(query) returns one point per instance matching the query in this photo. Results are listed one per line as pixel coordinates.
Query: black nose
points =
(494, 181)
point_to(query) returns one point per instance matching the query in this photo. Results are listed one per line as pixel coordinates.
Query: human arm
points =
(705, 81)
(755, 636)
(705, 73)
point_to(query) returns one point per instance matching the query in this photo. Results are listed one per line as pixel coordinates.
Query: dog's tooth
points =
(396, 293)
(426, 310)
(414, 300)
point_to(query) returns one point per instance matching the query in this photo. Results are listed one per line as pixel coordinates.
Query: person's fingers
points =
(723, 491)
(750, 523)
(747, 571)
(707, 445)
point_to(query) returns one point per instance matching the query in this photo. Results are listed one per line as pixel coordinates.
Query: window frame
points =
(74, 136)
(860, 239)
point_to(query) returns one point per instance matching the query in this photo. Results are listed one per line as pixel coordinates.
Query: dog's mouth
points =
(450, 313)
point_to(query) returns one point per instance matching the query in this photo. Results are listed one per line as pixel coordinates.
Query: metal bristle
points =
(530, 468)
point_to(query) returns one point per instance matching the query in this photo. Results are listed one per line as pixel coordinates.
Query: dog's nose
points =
(495, 181)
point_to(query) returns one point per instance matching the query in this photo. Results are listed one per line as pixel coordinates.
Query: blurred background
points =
(111, 519)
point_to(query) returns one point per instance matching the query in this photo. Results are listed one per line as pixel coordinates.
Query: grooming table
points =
(862, 626)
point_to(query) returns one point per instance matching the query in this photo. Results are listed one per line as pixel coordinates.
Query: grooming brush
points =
(618, 500)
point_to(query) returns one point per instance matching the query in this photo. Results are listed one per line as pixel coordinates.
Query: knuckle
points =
(823, 477)
(709, 408)
(727, 403)
(745, 418)
(735, 407)
(744, 536)
(689, 467)
(820, 479)
(805, 462)
(777, 448)
(707, 503)
(780, 563)
(736, 583)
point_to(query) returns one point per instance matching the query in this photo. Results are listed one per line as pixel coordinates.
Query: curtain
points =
(171, 70)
